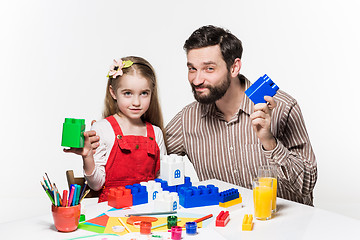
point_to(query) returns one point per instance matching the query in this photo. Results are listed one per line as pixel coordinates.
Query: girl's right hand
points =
(91, 142)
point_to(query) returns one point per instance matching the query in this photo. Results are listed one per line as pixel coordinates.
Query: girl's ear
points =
(111, 90)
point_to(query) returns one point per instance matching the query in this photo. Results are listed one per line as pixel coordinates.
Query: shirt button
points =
(235, 171)
(231, 148)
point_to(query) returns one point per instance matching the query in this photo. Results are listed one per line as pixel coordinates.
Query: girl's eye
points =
(210, 69)
(127, 93)
(145, 93)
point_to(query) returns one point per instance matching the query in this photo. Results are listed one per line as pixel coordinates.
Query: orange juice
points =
(263, 195)
(267, 181)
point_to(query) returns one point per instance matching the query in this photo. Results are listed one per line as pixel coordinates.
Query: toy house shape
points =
(172, 169)
(166, 201)
(153, 189)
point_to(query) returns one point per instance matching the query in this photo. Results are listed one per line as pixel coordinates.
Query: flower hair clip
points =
(117, 67)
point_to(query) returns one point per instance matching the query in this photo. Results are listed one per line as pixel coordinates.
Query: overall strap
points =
(151, 142)
(118, 133)
(115, 125)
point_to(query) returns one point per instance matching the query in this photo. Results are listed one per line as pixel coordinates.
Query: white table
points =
(292, 221)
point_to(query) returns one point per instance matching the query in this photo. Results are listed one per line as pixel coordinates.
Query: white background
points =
(54, 57)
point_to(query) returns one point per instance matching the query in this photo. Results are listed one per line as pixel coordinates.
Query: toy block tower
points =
(172, 169)
(73, 133)
(166, 201)
(264, 86)
(139, 194)
(199, 196)
(153, 189)
(120, 197)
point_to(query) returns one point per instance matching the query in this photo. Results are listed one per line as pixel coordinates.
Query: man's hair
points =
(230, 46)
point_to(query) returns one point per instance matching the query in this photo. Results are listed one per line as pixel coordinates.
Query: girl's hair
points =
(153, 115)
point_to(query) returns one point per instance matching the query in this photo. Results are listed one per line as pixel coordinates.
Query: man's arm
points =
(174, 136)
(293, 154)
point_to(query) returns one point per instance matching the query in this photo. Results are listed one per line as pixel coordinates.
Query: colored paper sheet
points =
(91, 228)
(98, 237)
(114, 221)
(100, 220)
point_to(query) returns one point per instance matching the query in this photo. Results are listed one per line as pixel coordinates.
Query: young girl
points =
(131, 137)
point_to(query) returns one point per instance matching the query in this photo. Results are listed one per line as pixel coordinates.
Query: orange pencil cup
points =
(66, 219)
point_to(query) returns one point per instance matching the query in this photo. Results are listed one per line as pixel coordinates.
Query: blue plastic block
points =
(199, 196)
(165, 186)
(139, 193)
(187, 183)
(229, 195)
(264, 86)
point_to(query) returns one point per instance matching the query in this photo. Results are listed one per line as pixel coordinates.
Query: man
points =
(226, 136)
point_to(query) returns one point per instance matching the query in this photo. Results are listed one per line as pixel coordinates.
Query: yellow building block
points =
(247, 224)
(231, 203)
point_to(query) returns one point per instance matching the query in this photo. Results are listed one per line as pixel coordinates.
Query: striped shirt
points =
(230, 150)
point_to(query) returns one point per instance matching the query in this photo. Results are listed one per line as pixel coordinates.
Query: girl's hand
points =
(261, 122)
(91, 142)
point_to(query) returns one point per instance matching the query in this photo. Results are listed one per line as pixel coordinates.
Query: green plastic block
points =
(73, 133)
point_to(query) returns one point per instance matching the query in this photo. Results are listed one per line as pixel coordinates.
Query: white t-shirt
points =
(107, 138)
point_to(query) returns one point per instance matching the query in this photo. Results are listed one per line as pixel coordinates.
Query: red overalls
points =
(133, 159)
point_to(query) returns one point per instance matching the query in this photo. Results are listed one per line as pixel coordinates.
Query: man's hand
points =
(261, 122)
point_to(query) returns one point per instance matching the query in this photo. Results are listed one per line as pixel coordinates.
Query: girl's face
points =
(133, 95)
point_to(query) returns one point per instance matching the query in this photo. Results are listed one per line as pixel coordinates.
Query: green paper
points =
(91, 228)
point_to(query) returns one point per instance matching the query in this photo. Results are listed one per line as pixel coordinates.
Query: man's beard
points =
(215, 92)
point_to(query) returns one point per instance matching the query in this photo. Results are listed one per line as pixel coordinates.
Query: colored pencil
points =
(48, 178)
(124, 225)
(149, 213)
(83, 190)
(201, 219)
(64, 198)
(47, 185)
(77, 199)
(47, 192)
(86, 193)
(71, 195)
(161, 225)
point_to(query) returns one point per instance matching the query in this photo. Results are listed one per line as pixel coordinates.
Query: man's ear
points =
(111, 90)
(235, 68)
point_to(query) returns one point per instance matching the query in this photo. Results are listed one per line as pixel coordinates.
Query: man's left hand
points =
(261, 122)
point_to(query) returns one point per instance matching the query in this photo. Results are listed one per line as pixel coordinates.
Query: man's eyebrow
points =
(204, 63)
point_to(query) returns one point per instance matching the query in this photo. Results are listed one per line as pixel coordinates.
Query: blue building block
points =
(264, 86)
(165, 186)
(187, 183)
(229, 195)
(199, 196)
(139, 194)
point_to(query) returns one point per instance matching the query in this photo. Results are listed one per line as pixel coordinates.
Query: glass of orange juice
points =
(266, 172)
(263, 195)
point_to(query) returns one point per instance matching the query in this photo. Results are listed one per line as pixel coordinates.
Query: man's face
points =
(207, 74)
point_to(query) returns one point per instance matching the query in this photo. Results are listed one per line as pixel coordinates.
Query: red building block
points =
(120, 197)
(222, 219)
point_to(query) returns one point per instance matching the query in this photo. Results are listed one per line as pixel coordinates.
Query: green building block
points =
(73, 133)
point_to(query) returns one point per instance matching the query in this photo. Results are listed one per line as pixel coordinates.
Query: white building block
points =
(166, 201)
(153, 188)
(172, 169)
